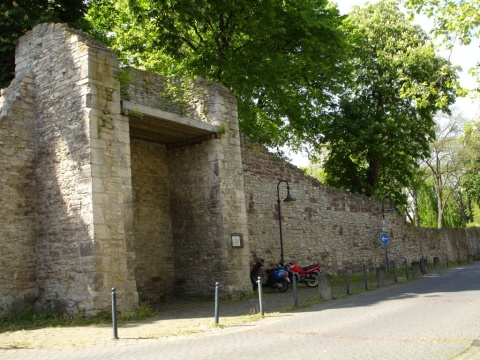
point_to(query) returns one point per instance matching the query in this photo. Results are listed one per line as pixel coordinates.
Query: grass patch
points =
(304, 304)
(30, 320)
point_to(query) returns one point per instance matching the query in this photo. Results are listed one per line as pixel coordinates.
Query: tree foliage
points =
(453, 19)
(472, 160)
(447, 185)
(282, 59)
(427, 206)
(471, 178)
(19, 16)
(444, 165)
(383, 123)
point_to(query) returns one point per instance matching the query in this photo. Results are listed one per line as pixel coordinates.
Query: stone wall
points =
(331, 226)
(18, 259)
(79, 200)
(197, 223)
(202, 182)
(86, 206)
(154, 266)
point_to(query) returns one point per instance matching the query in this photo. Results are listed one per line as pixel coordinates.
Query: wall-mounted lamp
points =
(288, 199)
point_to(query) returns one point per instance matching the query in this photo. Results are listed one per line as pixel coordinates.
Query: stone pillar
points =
(416, 268)
(380, 274)
(324, 286)
(222, 111)
(82, 175)
(111, 180)
(213, 209)
(18, 257)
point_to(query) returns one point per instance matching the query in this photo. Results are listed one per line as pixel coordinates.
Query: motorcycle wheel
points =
(311, 281)
(282, 285)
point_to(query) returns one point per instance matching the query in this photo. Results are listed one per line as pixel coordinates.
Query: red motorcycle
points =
(307, 274)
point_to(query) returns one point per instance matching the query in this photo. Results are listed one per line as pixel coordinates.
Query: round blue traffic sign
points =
(384, 238)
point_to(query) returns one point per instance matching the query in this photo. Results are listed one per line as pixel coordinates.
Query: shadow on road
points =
(308, 299)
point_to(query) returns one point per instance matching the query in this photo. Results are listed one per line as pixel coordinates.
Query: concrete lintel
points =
(167, 116)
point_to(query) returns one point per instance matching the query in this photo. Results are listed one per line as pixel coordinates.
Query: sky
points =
(464, 56)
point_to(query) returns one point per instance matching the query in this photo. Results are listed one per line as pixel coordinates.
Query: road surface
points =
(437, 317)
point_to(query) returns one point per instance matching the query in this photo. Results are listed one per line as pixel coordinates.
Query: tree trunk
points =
(469, 206)
(461, 208)
(416, 217)
(372, 177)
(440, 220)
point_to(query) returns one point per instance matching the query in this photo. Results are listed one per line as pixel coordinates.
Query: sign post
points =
(384, 238)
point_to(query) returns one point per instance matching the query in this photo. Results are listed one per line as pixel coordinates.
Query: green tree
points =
(315, 169)
(415, 193)
(453, 19)
(19, 16)
(427, 205)
(383, 123)
(450, 174)
(471, 160)
(446, 169)
(282, 59)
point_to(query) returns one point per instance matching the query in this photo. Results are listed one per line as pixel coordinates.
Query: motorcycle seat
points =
(269, 271)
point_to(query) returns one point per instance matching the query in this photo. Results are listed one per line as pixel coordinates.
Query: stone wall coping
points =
(167, 116)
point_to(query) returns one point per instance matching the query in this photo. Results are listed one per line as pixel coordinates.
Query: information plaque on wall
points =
(237, 240)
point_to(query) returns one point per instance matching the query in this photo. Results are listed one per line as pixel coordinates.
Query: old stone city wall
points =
(66, 214)
(88, 205)
(331, 226)
(18, 275)
(188, 197)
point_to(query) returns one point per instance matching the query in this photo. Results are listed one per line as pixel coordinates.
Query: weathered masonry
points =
(119, 178)
(140, 193)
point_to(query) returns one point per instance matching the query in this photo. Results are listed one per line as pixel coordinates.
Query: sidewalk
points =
(174, 318)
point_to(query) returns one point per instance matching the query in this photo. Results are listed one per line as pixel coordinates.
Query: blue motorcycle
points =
(277, 278)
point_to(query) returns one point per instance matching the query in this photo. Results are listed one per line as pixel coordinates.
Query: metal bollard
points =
(406, 269)
(446, 258)
(260, 295)
(295, 299)
(114, 314)
(347, 284)
(365, 278)
(395, 279)
(217, 300)
(422, 265)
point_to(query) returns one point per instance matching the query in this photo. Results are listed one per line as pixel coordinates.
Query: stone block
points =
(416, 268)
(324, 286)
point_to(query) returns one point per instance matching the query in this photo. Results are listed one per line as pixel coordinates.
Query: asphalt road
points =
(437, 317)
